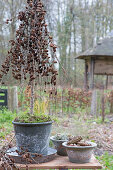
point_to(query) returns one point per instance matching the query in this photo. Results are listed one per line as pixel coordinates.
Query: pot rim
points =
(93, 145)
(52, 138)
(32, 124)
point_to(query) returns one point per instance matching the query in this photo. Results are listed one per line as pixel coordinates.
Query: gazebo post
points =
(86, 76)
(91, 74)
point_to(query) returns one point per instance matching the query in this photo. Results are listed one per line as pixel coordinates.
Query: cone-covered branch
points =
(32, 53)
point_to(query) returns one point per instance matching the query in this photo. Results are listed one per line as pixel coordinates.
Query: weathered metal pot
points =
(33, 137)
(61, 150)
(79, 154)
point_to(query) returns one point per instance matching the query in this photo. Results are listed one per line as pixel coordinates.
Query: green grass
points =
(97, 120)
(6, 118)
(107, 161)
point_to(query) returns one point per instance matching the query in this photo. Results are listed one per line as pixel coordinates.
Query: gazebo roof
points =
(103, 49)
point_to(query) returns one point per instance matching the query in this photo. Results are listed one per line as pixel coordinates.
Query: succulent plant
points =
(60, 137)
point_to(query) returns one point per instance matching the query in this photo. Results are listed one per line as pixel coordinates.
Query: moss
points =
(27, 118)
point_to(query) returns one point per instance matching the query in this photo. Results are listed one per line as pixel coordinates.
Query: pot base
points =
(35, 160)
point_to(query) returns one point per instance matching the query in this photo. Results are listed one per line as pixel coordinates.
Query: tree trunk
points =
(86, 76)
(32, 99)
(91, 74)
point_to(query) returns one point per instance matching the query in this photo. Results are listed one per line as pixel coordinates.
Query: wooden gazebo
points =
(98, 61)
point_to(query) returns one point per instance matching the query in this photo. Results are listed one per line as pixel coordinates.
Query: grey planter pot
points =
(61, 150)
(79, 154)
(33, 137)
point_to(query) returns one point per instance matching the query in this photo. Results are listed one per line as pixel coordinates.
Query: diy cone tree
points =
(29, 57)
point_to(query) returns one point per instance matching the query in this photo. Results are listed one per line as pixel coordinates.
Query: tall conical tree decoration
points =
(29, 56)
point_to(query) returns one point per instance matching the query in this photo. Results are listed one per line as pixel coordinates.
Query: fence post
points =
(13, 98)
